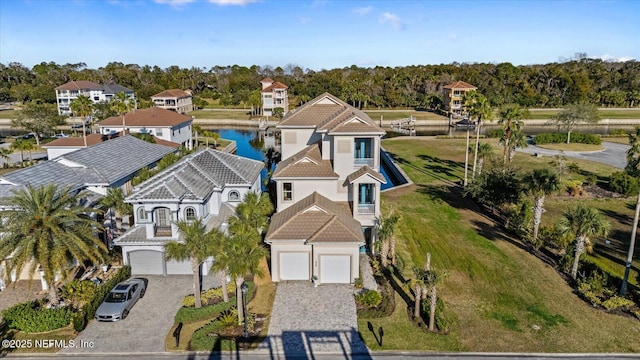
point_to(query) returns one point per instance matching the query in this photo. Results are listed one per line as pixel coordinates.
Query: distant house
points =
(274, 95)
(164, 124)
(70, 91)
(453, 93)
(175, 100)
(207, 185)
(66, 145)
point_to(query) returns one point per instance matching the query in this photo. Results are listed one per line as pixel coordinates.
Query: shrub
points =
(559, 138)
(617, 302)
(574, 188)
(591, 180)
(79, 291)
(386, 306)
(30, 317)
(443, 321)
(495, 133)
(623, 183)
(228, 317)
(209, 296)
(358, 283)
(191, 314)
(369, 298)
(206, 338)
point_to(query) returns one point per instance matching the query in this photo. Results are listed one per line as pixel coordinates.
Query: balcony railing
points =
(162, 231)
(360, 162)
(366, 208)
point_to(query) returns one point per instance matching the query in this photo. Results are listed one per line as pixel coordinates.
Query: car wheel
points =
(124, 314)
(142, 293)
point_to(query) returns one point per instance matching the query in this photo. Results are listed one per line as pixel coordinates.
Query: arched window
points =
(190, 214)
(234, 196)
(142, 214)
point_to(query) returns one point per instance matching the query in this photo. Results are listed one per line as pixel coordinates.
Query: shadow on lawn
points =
(436, 170)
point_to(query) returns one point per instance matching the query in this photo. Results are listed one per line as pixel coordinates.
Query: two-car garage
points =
(333, 268)
(150, 262)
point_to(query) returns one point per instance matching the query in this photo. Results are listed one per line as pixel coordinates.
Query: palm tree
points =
(540, 183)
(213, 135)
(510, 119)
(197, 129)
(583, 223)
(195, 246)
(433, 278)
(632, 168)
(83, 107)
(386, 226)
(114, 200)
(478, 107)
(252, 213)
(122, 104)
(48, 229)
(5, 155)
(484, 150)
(23, 145)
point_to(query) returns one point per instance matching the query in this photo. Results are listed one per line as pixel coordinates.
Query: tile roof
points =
(115, 88)
(196, 176)
(267, 79)
(216, 221)
(275, 85)
(137, 235)
(173, 93)
(153, 116)
(328, 113)
(459, 85)
(315, 219)
(80, 85)
(92, 139)
(306, 163)
(368, 171)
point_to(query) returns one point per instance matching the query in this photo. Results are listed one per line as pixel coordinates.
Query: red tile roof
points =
(150, 117)
(267, 79)
(80, 85)
(177, 93)
(275, 85)
(459, 85)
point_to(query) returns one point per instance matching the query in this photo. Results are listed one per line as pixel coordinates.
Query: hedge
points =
(191, 314)
(559, 138)
(30, 317)
(624, 184)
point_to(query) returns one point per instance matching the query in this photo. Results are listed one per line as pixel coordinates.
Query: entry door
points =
(162, 217)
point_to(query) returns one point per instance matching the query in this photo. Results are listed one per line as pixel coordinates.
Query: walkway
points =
(614, 154)
(366, 273)
(308, 320)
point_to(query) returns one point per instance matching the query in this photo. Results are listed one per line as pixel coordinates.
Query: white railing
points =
(359, 162)
(366, 208)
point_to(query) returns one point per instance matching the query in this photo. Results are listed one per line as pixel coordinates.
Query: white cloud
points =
(362, 10)
(232, 2)
(392, 19)
(607, 57)
(173, 2)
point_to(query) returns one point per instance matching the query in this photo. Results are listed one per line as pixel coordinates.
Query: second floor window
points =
(234, 196)
(366, 194)
(190, 214)
(142, 214)
(287, 191)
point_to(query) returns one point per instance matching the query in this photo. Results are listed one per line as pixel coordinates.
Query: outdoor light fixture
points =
(245, 288)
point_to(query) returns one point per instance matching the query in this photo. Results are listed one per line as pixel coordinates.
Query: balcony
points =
(360, 162)
(162, 231)
(366, 209)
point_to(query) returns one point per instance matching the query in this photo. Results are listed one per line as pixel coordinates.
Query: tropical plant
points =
(582, 223)
(5, 154)
(114, 200)
(82, 106)
(23, 145)
(252, 213)
(496, 187)
(574, 114)
(47, 229)
(122, 104)
(540, 183)
(433, 278)
(633, 169)
(197, 129)
(385, 227)
(510, 117)
(479, 108)
(211, 135)
(485, 150)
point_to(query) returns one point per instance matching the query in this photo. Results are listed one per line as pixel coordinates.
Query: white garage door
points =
(294, 266)
(335, 269)
(179, 267)
(146, 262)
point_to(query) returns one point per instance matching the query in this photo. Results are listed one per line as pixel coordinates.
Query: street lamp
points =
(245, 288)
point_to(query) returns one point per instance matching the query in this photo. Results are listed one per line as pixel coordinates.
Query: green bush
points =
(30, 317)
(209, 296)
(560, 138)
(494, 134)
(386, 306)
(204, 338)
(443, 321)
(623, 183)
(358, 283)
(369, 298)
(191, 314)
(88, 311)
(79, 291)
(591, 180)
(617, 302)
(228, 317)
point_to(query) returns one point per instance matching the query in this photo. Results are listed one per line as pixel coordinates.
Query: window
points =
(96, 98)
(366, 204)
(456, 92)
(363, 152)
(287, 191)
(234, 196)
(142, 214)
(159, 131)
(190, 214)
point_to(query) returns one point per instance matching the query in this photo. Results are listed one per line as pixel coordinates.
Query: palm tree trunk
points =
(195, 267)
(568, 136)
(384, 253)
(239, 281)
(475, 155)
(632, 242)
(466, 159)
(432, 309)
(480, 164)
(537, 216)
(392, 249)
(507, 137)
(54, 299)
(84, 133)
(416, 306)
(30, 157)
(196, 139)
(225, 291)
(579, 250)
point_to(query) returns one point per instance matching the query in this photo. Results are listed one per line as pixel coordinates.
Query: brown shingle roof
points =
(306, 163)
(315, 219)
(459, 85)
(79, 85)
(365, 170)
(153, 116)
(275, 85)
(173, 93)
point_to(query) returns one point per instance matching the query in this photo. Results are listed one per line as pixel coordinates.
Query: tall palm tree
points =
(252, 213)
(114, 200)
(540, 183)
(5, 155)
(23, 145)
(583, 223)
(195, 245)
(47, 225)
(122, 104)
(197, 129)
(211, 135)
(479, 108)
(433, 278)
(386, 226)
(510, 119)
(484, 150)
(632, 168)
(82, 106)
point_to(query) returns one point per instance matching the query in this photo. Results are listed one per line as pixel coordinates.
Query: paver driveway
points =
(146, 327)
(314, 320)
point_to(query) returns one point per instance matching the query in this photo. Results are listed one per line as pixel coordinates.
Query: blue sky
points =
(314, 34)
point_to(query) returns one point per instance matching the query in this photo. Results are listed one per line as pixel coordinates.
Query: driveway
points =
(146, 327)
(614, 154)
(309, 320)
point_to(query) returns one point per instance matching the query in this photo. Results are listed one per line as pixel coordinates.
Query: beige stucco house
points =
(176, 100)
(328, 192)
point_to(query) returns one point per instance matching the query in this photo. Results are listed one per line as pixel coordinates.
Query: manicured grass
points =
(619, 140)
(497, 292)
(572, 147)
(62, 335)
(604, 114)
(403, 114)
(9, 114)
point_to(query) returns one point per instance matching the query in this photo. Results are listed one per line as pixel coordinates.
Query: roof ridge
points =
(218, 155)
(200, 170)
(331, 220)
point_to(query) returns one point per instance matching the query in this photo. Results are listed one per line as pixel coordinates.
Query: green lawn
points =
(604, 114)
(498, 293)
(403, 114)
(9, 114)
(221, 114)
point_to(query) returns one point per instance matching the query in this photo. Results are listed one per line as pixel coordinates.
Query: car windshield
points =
(116, 297)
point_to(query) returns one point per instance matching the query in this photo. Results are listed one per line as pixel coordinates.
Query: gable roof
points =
(80, 85)
(197, 175)
(306, 163)
(328, 113)
(315, 219)
(365, 170)
(153, 116)
(459, 85)
(266, 80)
(275, 85)
(173, 93)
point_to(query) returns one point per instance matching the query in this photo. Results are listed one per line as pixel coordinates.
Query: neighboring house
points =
(328, 192)
(175, 100)
(66, 145)
(108, 164)
(163, 124)
(274, 95)
(207, 185)
(453, 93)
(70, 91)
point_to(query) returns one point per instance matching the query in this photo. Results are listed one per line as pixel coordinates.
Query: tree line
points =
(579, 80)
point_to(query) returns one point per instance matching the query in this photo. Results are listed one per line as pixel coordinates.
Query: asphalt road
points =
(614, 154)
